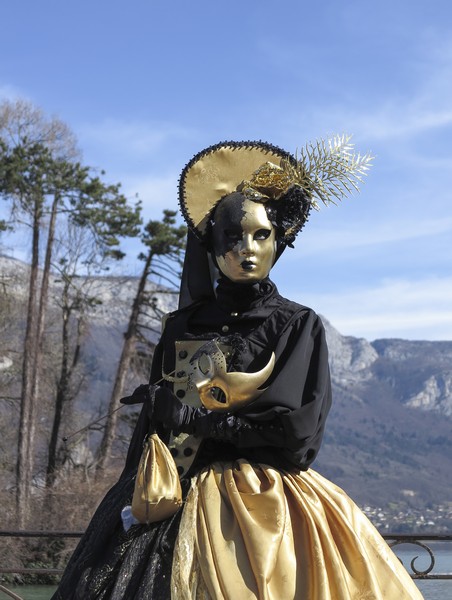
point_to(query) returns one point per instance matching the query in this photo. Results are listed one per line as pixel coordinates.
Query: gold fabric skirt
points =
(252, 532)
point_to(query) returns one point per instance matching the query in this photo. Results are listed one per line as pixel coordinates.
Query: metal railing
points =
(412, 541)
(37, 534)
(419, 541)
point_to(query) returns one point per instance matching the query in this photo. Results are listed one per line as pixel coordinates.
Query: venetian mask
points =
(244, 240)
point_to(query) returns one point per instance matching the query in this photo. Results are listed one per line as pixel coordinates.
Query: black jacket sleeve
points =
(297, 401)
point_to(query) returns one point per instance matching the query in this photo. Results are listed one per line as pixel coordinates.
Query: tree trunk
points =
(40, 324)
(123, 366)
(62, 394)
(26, 431)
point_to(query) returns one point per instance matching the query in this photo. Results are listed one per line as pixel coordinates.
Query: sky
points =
(146, 84)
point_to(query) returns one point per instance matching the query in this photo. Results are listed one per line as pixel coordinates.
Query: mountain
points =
(388, 437)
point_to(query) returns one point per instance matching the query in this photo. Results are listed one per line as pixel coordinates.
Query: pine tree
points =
(165, 243)
(43, 182)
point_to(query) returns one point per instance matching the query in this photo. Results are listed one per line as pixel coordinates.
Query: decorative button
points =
(174, 452)
(225, 329)
(183, 354)
(188, 451)
(180, 393)
(180, 470)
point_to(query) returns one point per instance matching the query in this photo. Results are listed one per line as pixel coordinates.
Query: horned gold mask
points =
(210, 372)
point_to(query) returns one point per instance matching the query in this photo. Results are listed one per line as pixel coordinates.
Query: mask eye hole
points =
(232, 235)
(262, 234)
(205, 364)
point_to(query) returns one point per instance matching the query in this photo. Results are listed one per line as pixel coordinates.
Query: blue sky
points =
(146, 84)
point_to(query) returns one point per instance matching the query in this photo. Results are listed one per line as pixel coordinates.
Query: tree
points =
(42, 180)
(24, 181)
(163, 260)
(20, 120)
(76, 252)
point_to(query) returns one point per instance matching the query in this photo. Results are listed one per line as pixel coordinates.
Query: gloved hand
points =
(173, 415)
(163, 407)
(166, 410)
(143, 394)
(170, 412)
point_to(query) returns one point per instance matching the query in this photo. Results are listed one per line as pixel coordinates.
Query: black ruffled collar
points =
(237, 297)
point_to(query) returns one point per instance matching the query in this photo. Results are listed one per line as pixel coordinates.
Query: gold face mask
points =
(244, 239)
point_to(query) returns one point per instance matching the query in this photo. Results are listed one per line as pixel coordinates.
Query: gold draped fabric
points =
(251, 532)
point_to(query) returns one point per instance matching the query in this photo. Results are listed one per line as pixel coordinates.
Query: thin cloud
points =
(396, 121)
(414, 325)
(409, 111)
(156, 193)
(392, 120)
(324, 241)
(132, 137)
(416, 309)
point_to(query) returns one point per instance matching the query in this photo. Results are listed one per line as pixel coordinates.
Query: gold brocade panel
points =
(254, 533)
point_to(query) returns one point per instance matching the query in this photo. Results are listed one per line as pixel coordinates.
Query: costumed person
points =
(239, 392)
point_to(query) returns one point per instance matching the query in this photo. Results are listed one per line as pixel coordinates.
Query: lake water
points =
(30, 592)
(431, 590)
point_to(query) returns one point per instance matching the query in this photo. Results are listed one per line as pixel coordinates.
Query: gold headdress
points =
(325, 170)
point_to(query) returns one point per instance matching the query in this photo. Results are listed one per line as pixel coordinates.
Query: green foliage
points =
(49, 191)
(166, 243)
(106, 213)
(31, 178)
(164, 237)
(25, 174)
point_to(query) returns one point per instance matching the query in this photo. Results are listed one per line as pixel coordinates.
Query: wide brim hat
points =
(218, 171)
(323, 172)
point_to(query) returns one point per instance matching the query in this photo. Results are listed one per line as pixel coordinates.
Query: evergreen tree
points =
(42, 182)
(164, 242)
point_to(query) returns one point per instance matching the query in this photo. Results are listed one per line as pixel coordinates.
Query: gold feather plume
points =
(329, 169)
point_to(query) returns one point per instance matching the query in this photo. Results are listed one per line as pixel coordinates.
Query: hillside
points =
(389, 434)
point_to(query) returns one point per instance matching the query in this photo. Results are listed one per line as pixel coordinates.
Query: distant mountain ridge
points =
(388, 437)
